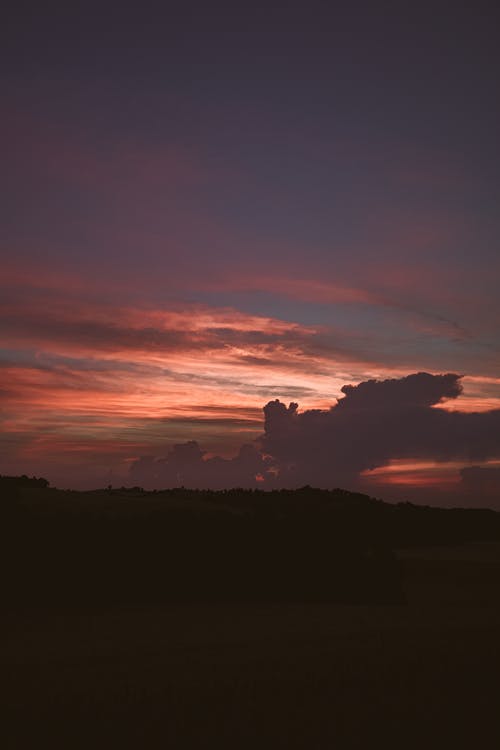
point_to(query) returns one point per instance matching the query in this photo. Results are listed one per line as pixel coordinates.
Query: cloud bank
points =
(375, 423)
(185, 465)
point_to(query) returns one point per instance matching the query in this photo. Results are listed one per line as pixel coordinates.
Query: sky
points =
(209, 213)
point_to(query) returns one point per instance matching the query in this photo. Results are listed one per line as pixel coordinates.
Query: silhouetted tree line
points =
(129, 547)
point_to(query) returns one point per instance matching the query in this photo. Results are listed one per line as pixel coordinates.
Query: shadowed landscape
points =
(242, 618)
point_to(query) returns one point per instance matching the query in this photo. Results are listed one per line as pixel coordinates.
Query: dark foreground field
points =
(420, 671)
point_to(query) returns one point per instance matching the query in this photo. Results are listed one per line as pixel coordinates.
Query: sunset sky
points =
(204, 214)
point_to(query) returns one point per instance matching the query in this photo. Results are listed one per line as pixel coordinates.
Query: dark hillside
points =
(126, 547)
(199, 619)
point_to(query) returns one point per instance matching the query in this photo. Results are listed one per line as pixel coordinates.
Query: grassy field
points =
(424, 674)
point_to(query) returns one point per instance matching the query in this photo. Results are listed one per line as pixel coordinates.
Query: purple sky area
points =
(206, 212)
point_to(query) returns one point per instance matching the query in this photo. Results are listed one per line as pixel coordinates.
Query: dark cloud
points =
(102, 335)
(420, 389)
(185, 465)
(375, 422)
(51, 362)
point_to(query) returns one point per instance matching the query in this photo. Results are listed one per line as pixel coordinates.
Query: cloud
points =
(185, 465)
(375, 422)
(90, 327)
(418, 390)
(150, 373)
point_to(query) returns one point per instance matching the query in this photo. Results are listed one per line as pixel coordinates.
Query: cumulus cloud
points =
(375, 422)
(420, 389)
(185, 465)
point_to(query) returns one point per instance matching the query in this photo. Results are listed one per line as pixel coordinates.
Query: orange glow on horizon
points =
(420, 473)
(129, 380)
